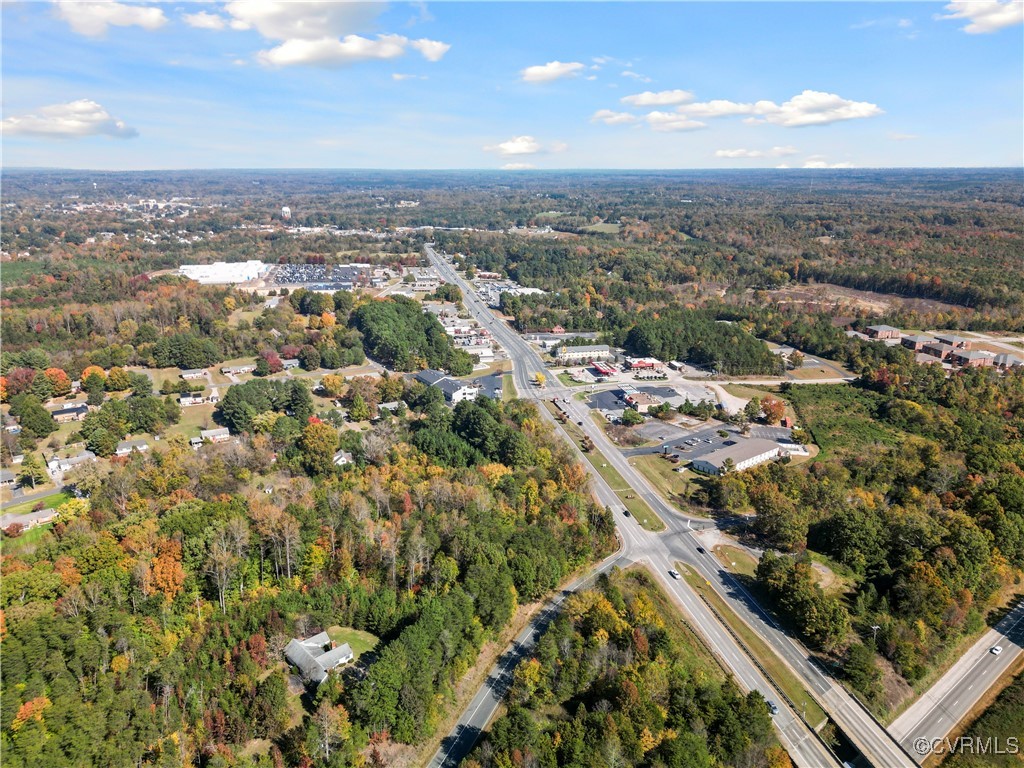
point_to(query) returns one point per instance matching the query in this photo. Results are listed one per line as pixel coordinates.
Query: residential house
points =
(316, 656)
(75, 412)
(193, 373)
(289, 363)
(237, 370)
(219, 435)
(125, 447)
(57, 464)
(7, 477)
(192, 398)
(341, 458)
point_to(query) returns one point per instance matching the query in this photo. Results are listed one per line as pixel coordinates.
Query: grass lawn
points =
(54, 501)
(193, 419)
(508, 387)
(636, 506)
(27, 541)
(662, 475)
(815, 372)
(779, 673)
(736, 560)
(741, 390)
(567, 381)
(604, 228)
(360, 641)
(841, 418)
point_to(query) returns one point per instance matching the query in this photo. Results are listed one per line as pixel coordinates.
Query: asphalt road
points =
(805, 748)
(954, 694)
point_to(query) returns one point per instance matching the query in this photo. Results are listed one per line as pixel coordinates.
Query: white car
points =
(995, 650)
(674, 574)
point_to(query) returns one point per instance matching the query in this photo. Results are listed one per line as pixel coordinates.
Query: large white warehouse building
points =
(222, 273)
(744, 455)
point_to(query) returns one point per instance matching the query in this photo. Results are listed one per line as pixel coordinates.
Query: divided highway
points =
(803, 745)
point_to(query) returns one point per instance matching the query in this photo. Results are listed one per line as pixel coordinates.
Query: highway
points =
(652, 550)
(954, 695)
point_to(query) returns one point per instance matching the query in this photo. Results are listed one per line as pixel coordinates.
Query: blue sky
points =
(121, 85)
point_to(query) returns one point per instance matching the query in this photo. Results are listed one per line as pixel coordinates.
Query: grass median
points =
(637, 507)
(777, 670)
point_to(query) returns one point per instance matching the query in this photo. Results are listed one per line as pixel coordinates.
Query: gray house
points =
(316, 656)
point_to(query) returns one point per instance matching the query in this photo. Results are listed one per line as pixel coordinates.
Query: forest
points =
(147, 627)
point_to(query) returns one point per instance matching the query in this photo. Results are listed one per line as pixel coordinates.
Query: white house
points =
(55, 464)
(125, 447)
(215, 435)
(316, 656)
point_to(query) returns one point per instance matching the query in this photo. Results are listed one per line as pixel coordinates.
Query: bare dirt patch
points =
(840, 300)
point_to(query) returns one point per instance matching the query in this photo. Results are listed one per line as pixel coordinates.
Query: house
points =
(957, 342)
(557, 329)
(742, 455)
(125, 447)
(289, 363)
(30, 519)
(341, 458)
(936, 349)
(237, 370)
(392, 407)
(75, 412)
(194, 373)
(195, 443)
(7, 477)
(1007, 361)
(55, 464)
(585, 354)
(316, 656)
(883, 332)
(18, 458)
(456, 391)
(191, 398)
(215, 435)
(971, 358)
(916, 343)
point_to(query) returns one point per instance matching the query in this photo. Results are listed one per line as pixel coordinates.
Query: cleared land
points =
(359, 641)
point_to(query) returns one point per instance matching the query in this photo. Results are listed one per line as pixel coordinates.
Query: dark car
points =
(701, 550)
(625, 512)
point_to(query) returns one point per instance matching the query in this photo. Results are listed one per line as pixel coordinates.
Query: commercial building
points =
(916, 343)
(743, 455)
(883, 332)
(937, 349)
(644, 364)
(221, 273)
(641, 402)
(957, 342)
(1007, 361)
(585, 354)
(971, 358)
(316, 656)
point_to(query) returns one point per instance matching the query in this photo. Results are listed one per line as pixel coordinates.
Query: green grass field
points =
(841, 418)
(54, 500)
(662, 475)
(193, 419)
(27, 541)
(737, 560)
(603, 228)
(360, 641)
(567, 381)
(508, 387)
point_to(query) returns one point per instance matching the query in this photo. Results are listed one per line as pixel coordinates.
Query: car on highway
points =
(995, 650)
(625, 512)
(702, 550)
(674, 574)
(773, 707)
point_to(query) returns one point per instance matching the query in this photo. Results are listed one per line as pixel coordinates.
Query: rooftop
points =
(741, 451)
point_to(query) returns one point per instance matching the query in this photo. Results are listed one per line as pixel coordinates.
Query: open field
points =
(779, 673)
(825, 296)
(359, 641)
(661, 472)
(736, 560)
(508, 387)
(742, 390)
(27, 541)
(841, 418)
(567, 381)
(603, 228)
(819, 372)
(193, 419)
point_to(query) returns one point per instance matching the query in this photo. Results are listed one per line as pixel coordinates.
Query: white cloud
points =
(903, 136)
(716, 108)
(73, 120)
(301, 19)
(819, 161)
(93, 17)
(986, 16)
(400, 76)
(525, 145)
(432, 50)
(753, 153)
(657, 99)
(204, 20)
(518, 166)
(610, 117)
(636, 76)
(553, 70)
(672, 121)
(815, 108)
(329, 52)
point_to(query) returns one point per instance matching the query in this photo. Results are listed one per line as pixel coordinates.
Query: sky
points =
(109, 85)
